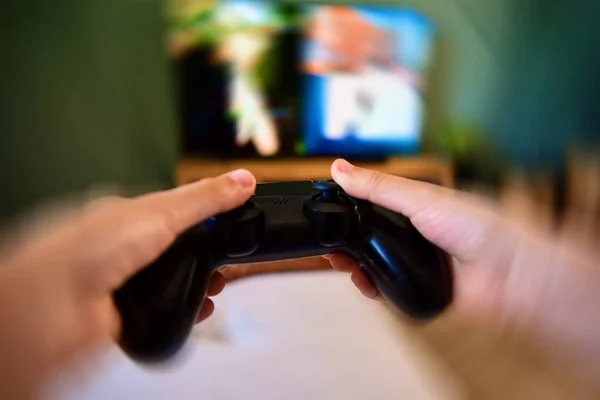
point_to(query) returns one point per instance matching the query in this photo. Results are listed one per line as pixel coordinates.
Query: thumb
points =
(460, 224)
(187, 205)
(137, 232)
(116, 237)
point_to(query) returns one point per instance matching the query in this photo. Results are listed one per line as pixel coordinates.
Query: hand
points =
(56, 287)
(507, 274)
(466, 228)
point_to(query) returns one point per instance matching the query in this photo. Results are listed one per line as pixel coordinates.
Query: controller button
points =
(326, 185)
(330, 192)
(243, 209)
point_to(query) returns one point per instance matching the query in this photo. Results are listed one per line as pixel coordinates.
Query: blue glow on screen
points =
(377, 108)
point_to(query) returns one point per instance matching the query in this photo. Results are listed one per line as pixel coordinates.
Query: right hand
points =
(507, 274)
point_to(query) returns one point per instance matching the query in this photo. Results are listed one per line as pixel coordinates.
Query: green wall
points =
(472, 34)
(524, 72)
(84, 99)
(549, 83)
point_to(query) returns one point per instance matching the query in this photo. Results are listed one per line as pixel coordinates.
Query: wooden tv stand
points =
(288, 169)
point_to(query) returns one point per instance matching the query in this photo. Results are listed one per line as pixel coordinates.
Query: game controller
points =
(289, 220)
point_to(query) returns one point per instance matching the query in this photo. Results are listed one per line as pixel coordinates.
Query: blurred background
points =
(119, 92)
(496, 97)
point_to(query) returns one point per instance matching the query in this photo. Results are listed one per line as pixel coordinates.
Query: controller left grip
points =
(159, 306)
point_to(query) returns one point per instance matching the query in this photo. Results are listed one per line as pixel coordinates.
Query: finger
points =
(207, 310)
(461, 225)
(187, 205)
(158, 218)
(217, 284)
(118, 237)
(405, 196)
(364, 285)
(343, 263)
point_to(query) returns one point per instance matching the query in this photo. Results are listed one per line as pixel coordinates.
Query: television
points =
(257, 78)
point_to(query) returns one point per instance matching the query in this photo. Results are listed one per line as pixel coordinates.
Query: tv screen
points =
(266, 79)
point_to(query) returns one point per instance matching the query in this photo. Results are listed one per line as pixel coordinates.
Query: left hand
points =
(56, 287)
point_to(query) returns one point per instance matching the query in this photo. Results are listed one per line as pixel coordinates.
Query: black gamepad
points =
(289, 220)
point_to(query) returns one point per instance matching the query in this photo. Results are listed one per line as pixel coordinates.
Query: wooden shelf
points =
(289, 169)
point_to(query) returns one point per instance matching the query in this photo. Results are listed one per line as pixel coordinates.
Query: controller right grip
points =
(159, 306)
(410, 272)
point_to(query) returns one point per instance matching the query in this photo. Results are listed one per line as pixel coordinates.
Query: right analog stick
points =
(329, 191)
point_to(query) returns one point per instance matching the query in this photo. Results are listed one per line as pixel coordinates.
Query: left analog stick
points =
(245, 227)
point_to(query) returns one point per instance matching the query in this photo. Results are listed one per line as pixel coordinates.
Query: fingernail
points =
(343, 166)
(243, 177)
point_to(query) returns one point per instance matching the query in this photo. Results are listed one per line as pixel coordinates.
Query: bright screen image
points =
(261, 79)
(239, 79)
(364, 79)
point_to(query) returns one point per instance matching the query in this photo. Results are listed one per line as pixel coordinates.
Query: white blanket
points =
(304, 336)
